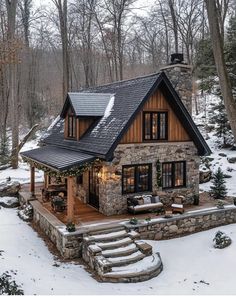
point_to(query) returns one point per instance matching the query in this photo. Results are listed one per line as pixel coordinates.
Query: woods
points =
(64, 45)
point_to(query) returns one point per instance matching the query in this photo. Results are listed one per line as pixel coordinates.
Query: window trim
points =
(158, 125)
(173, 175)
(71, 115)
(136, 178)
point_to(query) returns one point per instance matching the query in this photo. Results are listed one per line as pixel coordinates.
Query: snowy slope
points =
(187, 261)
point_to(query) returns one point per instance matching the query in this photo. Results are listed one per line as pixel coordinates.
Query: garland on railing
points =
(74, 171)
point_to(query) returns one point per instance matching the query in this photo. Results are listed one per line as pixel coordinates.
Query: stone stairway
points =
(116, 255)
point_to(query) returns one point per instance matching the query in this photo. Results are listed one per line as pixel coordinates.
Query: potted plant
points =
(133, 221)
(220, 204)
(70, 227)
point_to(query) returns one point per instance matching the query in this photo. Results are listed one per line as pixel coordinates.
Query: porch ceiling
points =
(57, 158)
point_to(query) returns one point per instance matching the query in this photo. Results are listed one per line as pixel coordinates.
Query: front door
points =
(93, 188)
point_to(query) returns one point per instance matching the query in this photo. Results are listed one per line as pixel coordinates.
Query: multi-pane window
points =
(155, 126)
(71, 126)
(174, 174)
(137, 178)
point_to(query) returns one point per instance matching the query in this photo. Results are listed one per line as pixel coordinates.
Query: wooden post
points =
(70, 198)
(32, 182)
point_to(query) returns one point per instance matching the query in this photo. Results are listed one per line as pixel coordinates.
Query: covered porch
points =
(61, 192)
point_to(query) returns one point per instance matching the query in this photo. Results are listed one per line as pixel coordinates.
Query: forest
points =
(50, 48)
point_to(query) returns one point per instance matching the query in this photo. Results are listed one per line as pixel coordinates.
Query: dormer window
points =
(71, 126)
(155, 126)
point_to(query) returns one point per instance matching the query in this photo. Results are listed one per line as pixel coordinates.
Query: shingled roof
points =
(129, 97)
(86, 104)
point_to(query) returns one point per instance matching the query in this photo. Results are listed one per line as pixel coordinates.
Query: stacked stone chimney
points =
(180, 75)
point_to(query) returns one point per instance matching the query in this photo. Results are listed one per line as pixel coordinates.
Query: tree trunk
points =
(225, 85)
(11, 24)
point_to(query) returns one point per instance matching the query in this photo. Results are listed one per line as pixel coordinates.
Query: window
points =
(71, 126)
(137, 178)
(155, 126)
(174, 174)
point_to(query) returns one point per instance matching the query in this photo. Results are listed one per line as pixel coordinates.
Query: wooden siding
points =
(83, 125)
(157, 102)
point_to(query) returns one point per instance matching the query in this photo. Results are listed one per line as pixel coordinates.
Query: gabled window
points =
(71, 126)
(137, 178)
(155, 126)
(174, 174)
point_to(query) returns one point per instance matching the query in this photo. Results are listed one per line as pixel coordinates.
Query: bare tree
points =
(217, 42)
(61, 6)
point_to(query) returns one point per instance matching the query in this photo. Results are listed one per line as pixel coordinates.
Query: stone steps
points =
(107, 237)
(142, 270)
(124, 260)
(122, 251)
(118, 256)
(115, 244)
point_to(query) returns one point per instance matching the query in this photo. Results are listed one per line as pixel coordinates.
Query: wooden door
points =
(93, 188)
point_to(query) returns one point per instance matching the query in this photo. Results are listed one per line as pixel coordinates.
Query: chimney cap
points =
(177, 58)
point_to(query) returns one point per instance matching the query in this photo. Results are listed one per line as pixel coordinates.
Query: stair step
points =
(142, 270)
(115, 244)
(100, 230)
(107, 237)
(122, 251)
(125, 260)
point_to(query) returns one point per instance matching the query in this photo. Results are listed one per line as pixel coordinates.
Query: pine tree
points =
(218, 189)
(222, 128)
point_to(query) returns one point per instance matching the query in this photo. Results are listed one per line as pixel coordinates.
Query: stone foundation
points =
(185, 224)
(68, 244)
(112, 201)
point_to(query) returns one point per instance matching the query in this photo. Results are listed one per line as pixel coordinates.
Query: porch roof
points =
(57, 158)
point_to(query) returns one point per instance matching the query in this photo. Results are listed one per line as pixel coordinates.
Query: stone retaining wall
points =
(68, 244)
(187, 223)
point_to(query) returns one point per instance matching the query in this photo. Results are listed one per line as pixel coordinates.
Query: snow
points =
(109, 107)
(119, 250)
(187, 261)
(9, 200)
(22, 174)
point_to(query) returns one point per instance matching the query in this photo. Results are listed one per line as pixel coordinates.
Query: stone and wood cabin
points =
(123, 139)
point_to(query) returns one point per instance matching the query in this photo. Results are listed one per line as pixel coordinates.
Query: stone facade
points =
(112, 201)
(180, 76)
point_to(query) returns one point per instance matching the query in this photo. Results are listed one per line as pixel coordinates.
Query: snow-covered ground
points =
(191, 265)
(22, 174)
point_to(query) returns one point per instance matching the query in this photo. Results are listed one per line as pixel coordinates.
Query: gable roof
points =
(86, 104)
(129, 97)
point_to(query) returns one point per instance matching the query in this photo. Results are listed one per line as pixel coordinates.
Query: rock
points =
(4, 167)
(205, 176)
(26, 213)
(221, 240)
(231, 159)
(9, 188)
(222, 155)
(173, 229)
(9, 202)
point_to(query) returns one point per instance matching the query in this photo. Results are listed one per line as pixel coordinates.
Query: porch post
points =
(32, 182)
(70, 198)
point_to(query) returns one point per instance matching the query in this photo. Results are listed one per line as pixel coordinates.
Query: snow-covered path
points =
(186, 261)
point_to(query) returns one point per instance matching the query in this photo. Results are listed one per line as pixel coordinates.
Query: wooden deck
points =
(85, 214)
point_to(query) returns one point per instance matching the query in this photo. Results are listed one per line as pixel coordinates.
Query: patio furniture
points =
(58, 204)
(47, 193)
(144, 204)
(177, 206)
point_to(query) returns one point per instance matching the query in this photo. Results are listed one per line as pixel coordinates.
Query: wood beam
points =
(70, 198)
(32, 182)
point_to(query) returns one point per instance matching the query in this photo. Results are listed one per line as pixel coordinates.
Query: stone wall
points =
(180, 76)
(185, 224)
(68, 244)
(110, 186)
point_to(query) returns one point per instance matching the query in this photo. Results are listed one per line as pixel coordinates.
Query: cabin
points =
(119, 140)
